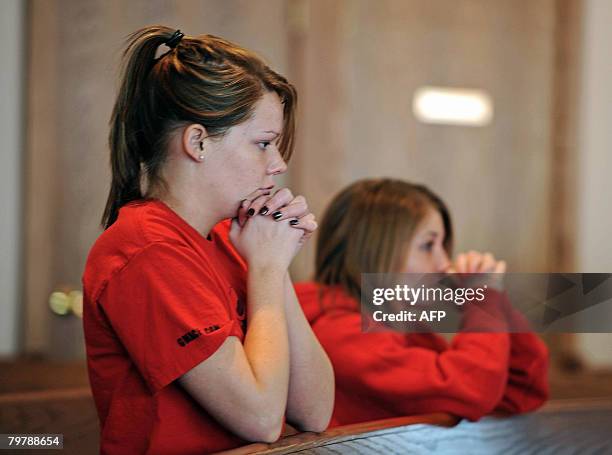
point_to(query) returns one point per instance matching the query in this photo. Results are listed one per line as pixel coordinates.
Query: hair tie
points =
(174, 39)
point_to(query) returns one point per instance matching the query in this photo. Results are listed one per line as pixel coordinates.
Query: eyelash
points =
(427, 246)
(267, 143)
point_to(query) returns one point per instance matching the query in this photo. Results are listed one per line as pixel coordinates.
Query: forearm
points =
(266, 344)
(527, 387)
(311, 385)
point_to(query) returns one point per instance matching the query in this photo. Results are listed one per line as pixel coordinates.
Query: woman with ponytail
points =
(195, 340)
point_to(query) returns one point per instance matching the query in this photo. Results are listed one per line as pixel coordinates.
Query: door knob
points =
(66, 302)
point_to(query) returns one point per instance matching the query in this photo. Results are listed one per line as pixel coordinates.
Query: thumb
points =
(500, 267)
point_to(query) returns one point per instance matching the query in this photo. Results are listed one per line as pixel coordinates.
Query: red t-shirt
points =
(388, 374)
(159, 298)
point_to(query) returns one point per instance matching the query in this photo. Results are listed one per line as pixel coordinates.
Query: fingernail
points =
(263, 210)
(294, 222)
(251, 212)
(277, 215)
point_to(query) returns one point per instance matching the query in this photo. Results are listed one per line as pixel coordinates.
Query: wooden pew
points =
(70, 412)
(561, 427)
(31, 374)
(339, 435)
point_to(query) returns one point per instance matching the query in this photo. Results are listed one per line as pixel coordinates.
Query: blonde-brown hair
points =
(201, 79)
(367, 229)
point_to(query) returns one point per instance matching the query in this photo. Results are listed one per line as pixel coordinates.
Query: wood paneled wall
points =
(356, 64)
(75, 49)
(363, 63)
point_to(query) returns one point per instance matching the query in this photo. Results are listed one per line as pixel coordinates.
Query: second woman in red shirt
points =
(386, 226)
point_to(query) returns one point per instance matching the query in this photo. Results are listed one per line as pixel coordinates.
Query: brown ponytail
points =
(205, 80)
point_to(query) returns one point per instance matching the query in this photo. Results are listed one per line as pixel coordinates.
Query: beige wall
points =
(356, 67)
(12, 36)
(75, 47)
(364, 60)
(594, 239)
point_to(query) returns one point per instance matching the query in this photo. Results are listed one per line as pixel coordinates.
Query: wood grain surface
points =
(579, 426)
(70, 412)
(562, 427)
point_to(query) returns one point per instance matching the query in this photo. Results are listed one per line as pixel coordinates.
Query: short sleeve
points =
(169, 310)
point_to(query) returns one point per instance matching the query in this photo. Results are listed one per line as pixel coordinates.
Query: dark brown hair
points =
(367, 229)
(204, 80)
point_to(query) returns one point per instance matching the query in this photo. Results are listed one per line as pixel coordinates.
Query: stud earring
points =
(201, 157)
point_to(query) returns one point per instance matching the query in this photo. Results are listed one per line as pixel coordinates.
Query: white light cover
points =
(452, 106)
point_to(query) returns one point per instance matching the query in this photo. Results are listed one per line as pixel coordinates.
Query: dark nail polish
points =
(277, 215)
(251, 212)
(294, 222)
(263, 210)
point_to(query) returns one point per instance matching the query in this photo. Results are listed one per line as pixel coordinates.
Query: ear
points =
(193, 141)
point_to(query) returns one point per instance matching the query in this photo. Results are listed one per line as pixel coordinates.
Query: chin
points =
(229, 214)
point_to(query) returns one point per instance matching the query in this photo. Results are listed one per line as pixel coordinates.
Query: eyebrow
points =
(272, 132)
(434, 233)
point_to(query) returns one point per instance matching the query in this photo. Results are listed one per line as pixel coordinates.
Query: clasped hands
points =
(270, 227)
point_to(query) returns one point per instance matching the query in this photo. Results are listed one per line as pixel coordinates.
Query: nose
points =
(442, 261)
(278, 165)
